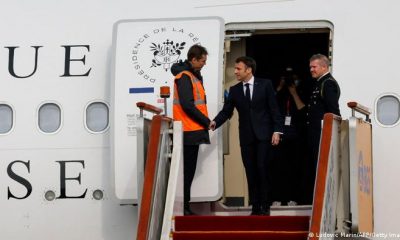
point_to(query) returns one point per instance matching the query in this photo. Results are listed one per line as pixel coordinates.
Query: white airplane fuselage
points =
(59, 53)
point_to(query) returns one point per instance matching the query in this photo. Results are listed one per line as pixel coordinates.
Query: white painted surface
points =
(144, 53)
(365, 64)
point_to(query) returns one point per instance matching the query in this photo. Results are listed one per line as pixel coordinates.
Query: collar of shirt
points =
(322, 76)
(250, 82)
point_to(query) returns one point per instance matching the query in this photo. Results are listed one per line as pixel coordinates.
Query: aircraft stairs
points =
(161, 205)
(217, 221)
(240, 227)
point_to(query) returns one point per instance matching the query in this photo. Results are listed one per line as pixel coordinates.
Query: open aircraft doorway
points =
(275, 47)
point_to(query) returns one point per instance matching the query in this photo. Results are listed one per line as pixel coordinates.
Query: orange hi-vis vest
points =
(199, 101)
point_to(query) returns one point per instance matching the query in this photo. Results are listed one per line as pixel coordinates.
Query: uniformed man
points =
(323, 99)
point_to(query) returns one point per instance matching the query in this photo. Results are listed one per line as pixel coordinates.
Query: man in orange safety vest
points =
(190, 107)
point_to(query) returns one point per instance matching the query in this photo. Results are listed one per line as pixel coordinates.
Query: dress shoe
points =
(264, 212)
(276, 203)
(256, 210)
(188, 212)
(265, 209)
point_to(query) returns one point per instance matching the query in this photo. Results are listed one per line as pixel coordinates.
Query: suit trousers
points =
(190, 153)
(256, 158)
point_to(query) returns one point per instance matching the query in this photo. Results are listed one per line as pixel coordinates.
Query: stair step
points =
(241, 223)
(240, 235)
(300, 210)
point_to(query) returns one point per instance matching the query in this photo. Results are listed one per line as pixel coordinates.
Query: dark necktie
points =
(248, 98)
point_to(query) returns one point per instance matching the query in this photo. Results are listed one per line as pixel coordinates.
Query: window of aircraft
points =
(388, 110)
(97, 117)
(6, 118)
(49, 118)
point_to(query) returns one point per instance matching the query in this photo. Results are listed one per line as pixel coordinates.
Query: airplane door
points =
(144, 51)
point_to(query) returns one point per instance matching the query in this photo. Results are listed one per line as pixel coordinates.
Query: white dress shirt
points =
(251, 86)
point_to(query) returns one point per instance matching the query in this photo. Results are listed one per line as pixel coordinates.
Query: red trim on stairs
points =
(241, 223)
(240, 235)
(241, 227)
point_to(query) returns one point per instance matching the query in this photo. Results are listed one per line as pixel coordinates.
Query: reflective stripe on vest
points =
(199, 102)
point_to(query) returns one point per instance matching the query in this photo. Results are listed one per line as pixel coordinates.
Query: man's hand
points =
(276, 137)
(212, 125)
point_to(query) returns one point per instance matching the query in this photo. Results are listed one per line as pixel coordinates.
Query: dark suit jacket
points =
(260, 119)
(324, 99)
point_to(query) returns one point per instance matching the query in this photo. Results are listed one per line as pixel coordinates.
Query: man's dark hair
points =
(248, 61)
(196, 51)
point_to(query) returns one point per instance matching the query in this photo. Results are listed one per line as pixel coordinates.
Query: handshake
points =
(212, 125)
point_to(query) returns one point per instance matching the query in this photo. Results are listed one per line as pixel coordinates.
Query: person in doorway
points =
(324, 99)
(289, 154)
(260, 125)
(190, 107)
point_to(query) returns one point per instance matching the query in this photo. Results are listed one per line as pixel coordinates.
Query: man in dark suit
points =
(260, 124)
(323, 99)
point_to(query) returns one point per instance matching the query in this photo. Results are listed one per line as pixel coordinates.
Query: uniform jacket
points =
(259, 119)
(325, 102)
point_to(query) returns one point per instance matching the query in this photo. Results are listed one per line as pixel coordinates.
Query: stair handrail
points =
(324, 189)
(356, 107)
(148, 107)
(361, 201)
(174, 198)
(146, 207)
